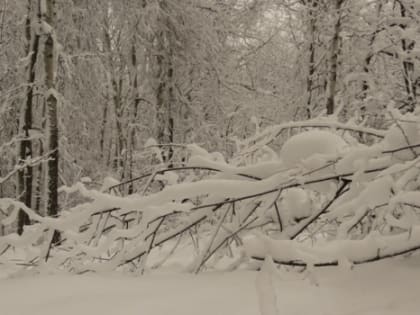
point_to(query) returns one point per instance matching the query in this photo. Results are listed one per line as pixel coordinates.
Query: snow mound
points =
(305, 145)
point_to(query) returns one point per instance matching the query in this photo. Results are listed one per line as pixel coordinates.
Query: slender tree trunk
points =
(119, 136)
(103, 128)
(408, 67)
(40, 177)
(334, 55)
(312, 47)
(133, 118)
(171, 105)
(366, 69)
(115, 91)
(165, 95)
(107, 153)
(51, 115)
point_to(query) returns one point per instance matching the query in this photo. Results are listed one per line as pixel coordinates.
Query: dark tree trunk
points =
(103, 127)
(408, 68)
(25, 176)
(334, 56)
(52, 121)
(313, 4)
(165, 97)
(40, 169)
(133, 119)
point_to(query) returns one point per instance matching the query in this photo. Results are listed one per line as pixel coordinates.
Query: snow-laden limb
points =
(268, 135)
(372, 194)
(28, 163)
(329, 186)
(379, 180)
(229, 172)
(85, 243)
(34, 134)
(257, 172)
(372, 248)
(411, 198)
(152, 207)
(156, 205)
(138, 235)
(202, 160)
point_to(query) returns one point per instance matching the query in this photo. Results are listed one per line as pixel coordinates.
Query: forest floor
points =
(382, 288)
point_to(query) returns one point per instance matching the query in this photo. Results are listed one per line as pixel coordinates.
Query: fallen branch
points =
(372, 248)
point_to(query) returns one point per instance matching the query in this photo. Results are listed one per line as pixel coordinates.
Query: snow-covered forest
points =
(209, 157)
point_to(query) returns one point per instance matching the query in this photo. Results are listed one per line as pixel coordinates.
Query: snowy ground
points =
(384, 288)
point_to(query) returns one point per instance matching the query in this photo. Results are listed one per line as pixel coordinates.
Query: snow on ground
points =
(386, 288)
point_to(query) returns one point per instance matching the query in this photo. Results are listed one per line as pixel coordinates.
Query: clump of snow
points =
(86, 180)
(314, 152)
(108, 183)
(305, 145)
(197, 151)
(150, 142)
(360, 156)
(170, 178)
(296, 204)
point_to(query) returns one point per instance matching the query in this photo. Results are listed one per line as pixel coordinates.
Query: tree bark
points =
(313, 4)
(334, 55)
(408, 67)
(51, 113)
(133, 119)
(164, 93)
(25, 176)
(103, 127)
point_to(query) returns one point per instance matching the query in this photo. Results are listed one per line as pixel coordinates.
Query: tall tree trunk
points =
(408, 67)
(165, 95)
(118, 131)
(313, 4)
(334, 55)
(366, 69)
(25, 176)
(133, 118)
(51, 115)
(115, 93)
(103, 128)
(40, 175)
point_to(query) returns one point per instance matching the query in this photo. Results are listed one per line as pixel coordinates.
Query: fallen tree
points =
(330, 204)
